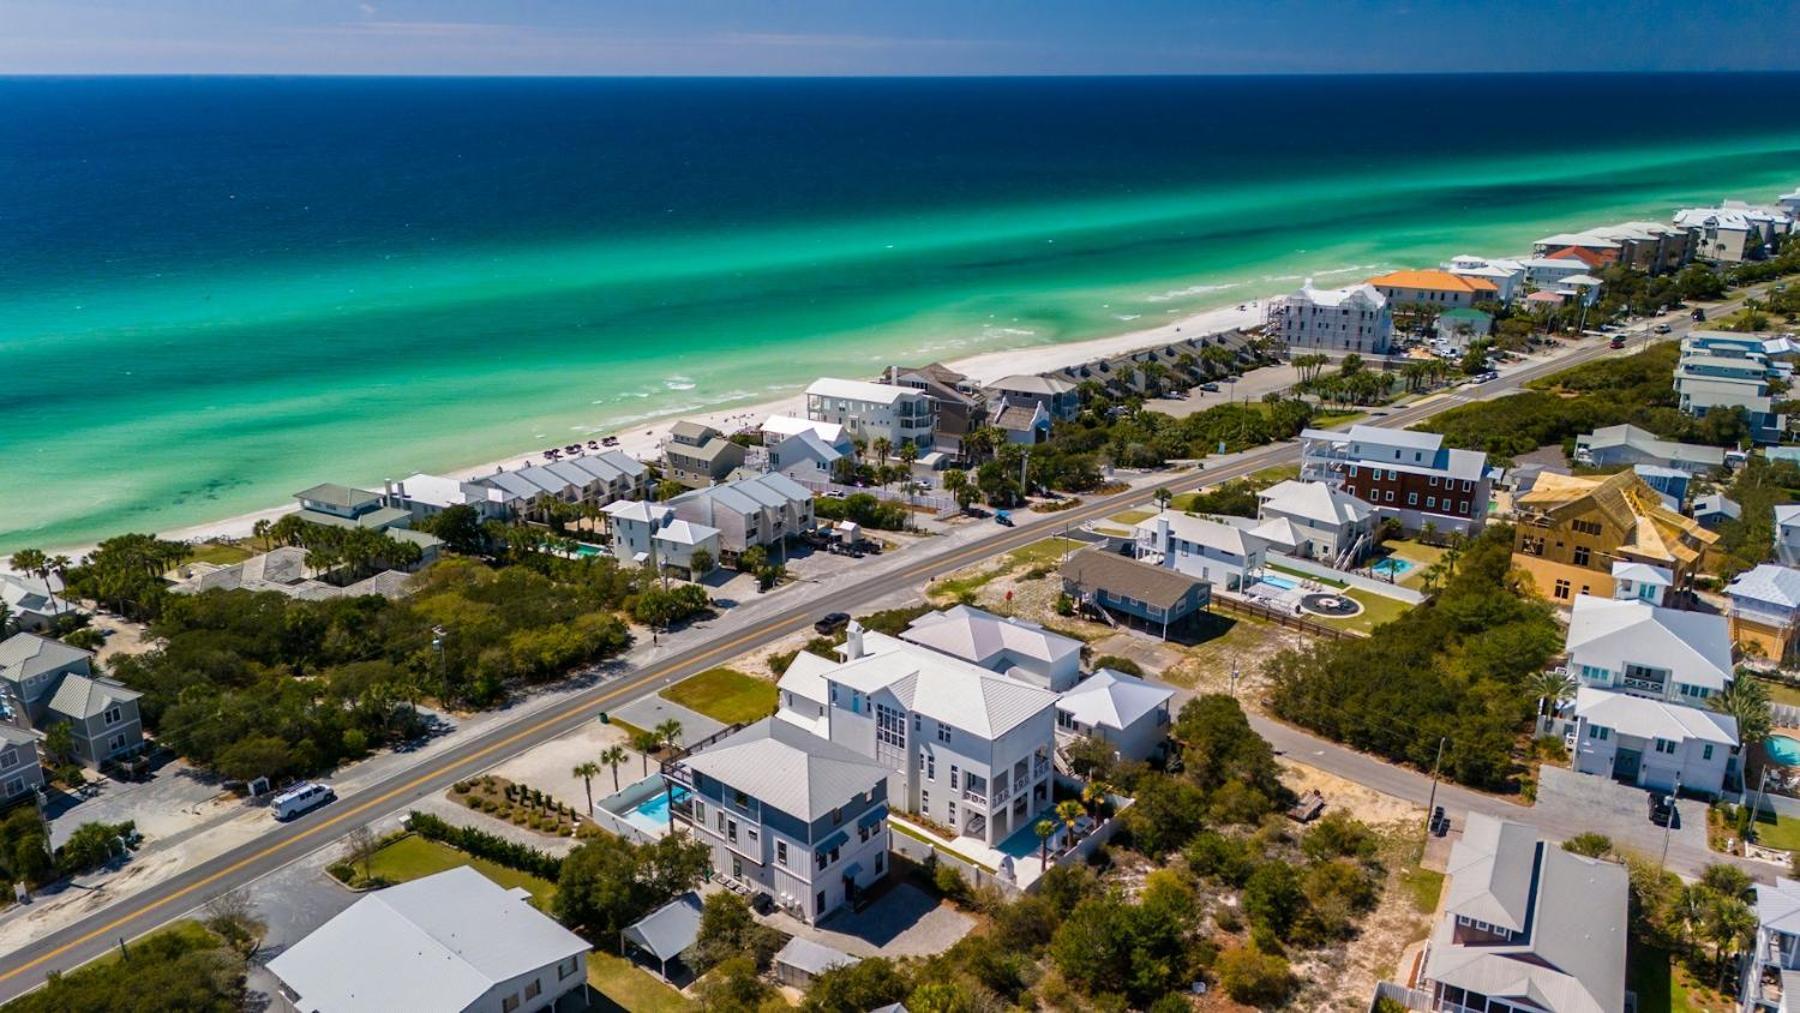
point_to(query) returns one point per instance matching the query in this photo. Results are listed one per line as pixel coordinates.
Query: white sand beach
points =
(644, 440)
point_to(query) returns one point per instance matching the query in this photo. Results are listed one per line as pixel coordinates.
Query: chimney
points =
(853, 641)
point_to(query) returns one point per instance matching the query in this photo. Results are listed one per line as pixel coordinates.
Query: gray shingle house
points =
(44, 682)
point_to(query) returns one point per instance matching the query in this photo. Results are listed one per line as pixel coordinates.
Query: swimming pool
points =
(1783, 749)
(584, 551)
(1393, 566)
(1285, 583)
(652, 814)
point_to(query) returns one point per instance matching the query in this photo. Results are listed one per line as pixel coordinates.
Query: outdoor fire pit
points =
(1327, 604)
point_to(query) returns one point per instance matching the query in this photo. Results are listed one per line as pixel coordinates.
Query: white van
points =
(301, 798)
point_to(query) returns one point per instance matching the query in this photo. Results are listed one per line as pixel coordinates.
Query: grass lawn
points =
(1775, 831)
(1422, 886)
(1131, 517)
(1377, 609)
(631, 986)
(939, 845)
(1269, 476)
(1781, 692)
(413, 857)
(1325, 420)
(187, 928)
(1663, 986)
(213, 552)
(1050, 550)
(725, 694)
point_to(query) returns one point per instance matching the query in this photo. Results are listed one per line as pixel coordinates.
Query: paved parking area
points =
(1619, 811)
(906, 921)
(175, 800)
(648, 711)
(550, 766)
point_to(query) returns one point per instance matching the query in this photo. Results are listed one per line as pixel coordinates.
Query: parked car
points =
(1210, 387)
(1662, 809)
(1002, 518)
(832, 622)
(1617, 342)
(301, 799)
(1699, 315)
(1662, 328)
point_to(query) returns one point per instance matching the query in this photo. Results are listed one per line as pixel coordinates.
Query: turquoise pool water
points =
(583, 550)
(1285, 583)
(1783, 749)
(653, 813)
(1393, 566)
(1023, 843)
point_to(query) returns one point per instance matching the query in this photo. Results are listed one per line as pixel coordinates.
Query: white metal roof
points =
(438, 943)
(861, 390)
(788, 768)
(1777, 585)
(943, 688)
(1654, 719)
(974, 635)
(789, 425)
(1695, 645)
(1315, 501)
(1208, 533)
(1111, 699)
(1643, 573)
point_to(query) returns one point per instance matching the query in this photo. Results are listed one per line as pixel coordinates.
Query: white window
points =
(14, 786)
(114, 714)
(699, 812)
(8, 757)
(954, 771)
(930, 768)
(1412, 499)
(952, 812)
(780, 852)
(943, 732)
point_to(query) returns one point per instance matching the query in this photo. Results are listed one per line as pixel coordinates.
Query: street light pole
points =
(1669, 827)
(1431, 799)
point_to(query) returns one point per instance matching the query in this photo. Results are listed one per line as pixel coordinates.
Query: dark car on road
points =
(1662, 809)
(832, 622)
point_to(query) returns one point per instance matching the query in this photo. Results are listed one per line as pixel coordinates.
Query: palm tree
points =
(882, 447)
(1747, 700)
(1732, 925)
(1092, 794)
(586, 772)
(669, 731)
(612, 756)
(1552, 687)
(29, 562)
(1162, 497)
(1070, 812)
(955, 481)
(1044, 829)
(645, 743)
(260, 531)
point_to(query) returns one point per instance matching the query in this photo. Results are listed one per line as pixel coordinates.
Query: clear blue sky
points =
(633, 37)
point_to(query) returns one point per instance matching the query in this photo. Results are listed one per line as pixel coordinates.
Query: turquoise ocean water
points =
(218, 291)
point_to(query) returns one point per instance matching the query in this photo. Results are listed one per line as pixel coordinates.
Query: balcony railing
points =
(970, 795)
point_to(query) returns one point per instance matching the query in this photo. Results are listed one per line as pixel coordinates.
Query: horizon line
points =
(753, 76)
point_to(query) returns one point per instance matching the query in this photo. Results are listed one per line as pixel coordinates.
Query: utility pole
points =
(1431, 799)
(1668, 827)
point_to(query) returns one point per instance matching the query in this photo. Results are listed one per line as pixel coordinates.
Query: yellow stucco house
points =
(1569, 531)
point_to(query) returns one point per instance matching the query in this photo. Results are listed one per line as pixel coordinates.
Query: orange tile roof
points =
(1588, 257)
(1436, 281)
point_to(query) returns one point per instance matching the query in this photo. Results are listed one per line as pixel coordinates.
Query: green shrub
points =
(482, 844)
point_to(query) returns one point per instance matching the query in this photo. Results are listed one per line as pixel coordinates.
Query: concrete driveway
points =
(652, 709)
(904, 921)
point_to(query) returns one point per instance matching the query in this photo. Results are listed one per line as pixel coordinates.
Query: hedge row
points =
(482, 844)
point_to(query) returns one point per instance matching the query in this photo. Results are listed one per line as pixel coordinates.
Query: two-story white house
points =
(966, 748)
(1635, 581)
(1012, 647)
(1771, 975)
(650, 533)
(1787, 533)
(1527, 926)
(1229, 557)
(455, 942)
(1125, 712)
(787, 813)
(873, 411)
(1641, 714)
(1332, 525)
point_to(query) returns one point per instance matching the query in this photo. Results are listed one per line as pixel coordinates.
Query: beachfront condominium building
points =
(593, 479)
(1012, 647)
(425, 496)
(1331, 525)
(1402, 474)
(962, 406)
(1223, 555)
(1568, 531)
(1058, 396)
(454, 941)
(787, 813)
(1734, 231)
(1433, 291)
(1507, 276)
(1770, 976)
(1526, 926)
(964, 747)
(766, 510)
(44, 683)
(1651, 247)
(340, 506)
(1352, 319)
(698, 455)
(1614, 446)
(1765, 611)
(1714, 375)
(1640, 714)
(650, 534)
(871, 412)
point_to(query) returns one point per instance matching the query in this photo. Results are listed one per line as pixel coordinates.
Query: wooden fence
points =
(1283, 618)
